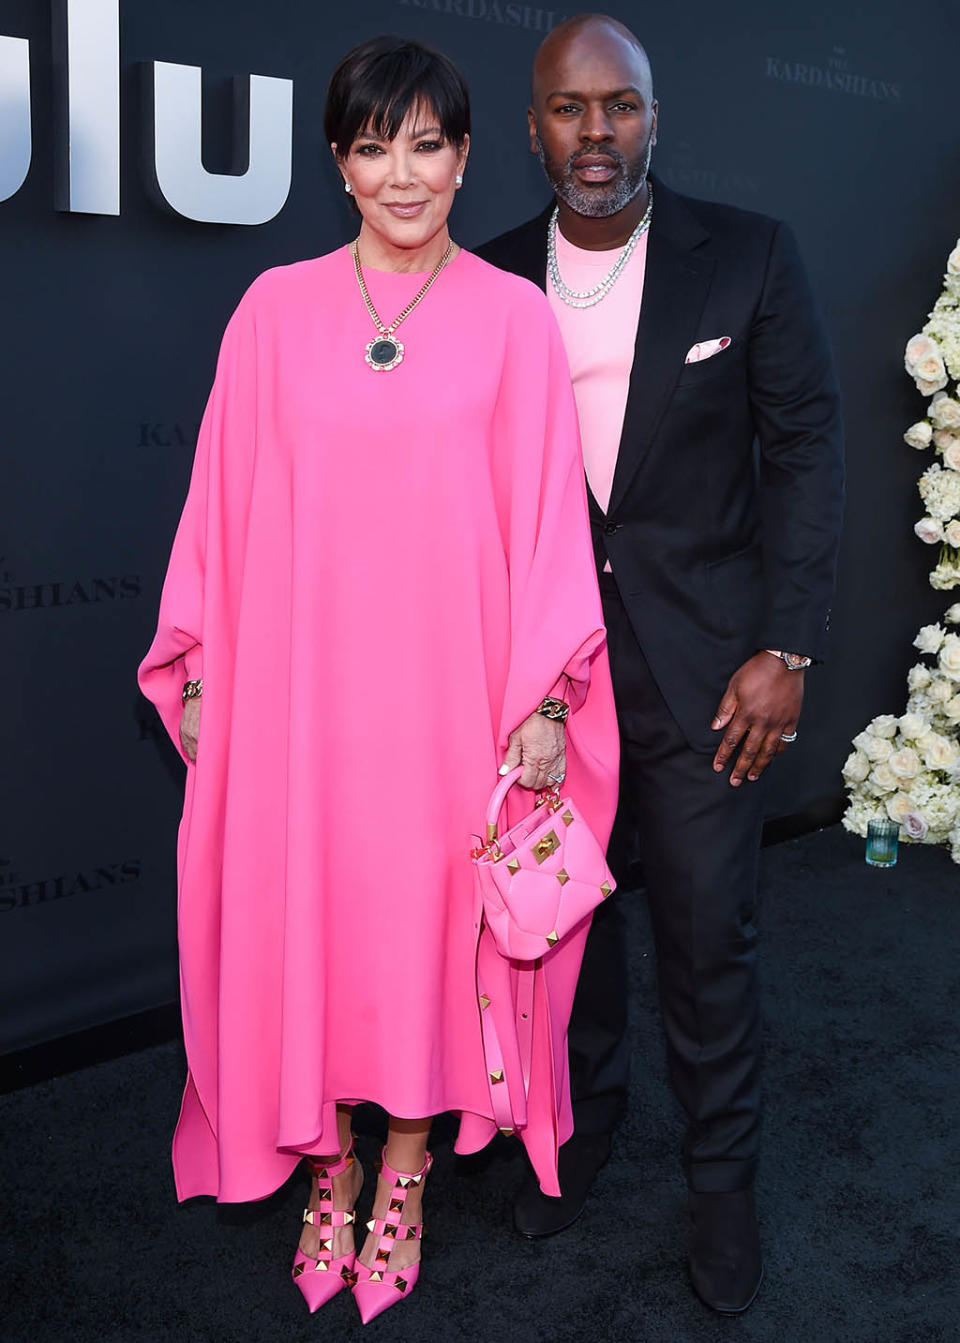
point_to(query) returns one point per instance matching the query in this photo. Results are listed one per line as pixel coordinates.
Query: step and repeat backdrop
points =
(155, 157)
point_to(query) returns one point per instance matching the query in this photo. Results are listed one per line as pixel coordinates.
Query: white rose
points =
(939, 752)
(898, 806)
(952, 615)
(905, 763)
(929, 639)
(951, 455)
(919, 435)
(918, 677)
(945, 412)
(951, 532)
(950, 657)
(883, 777)
(856, 767)
(915, 827)
(929, 530)
(861, 739)
(878, 748)
(927, 387)
(943, 438)
(912, 725)
(884, 725)
(940, 691)
(931, 368)
(953, 260)
(919, 347)
(952, 709)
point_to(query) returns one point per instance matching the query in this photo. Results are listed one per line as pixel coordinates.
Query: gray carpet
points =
(858, 1196)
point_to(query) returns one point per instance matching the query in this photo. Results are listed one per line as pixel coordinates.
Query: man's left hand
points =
(762, 703)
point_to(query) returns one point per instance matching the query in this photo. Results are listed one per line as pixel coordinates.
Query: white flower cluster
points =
(940, 491)
(907, 768)
(932, 358)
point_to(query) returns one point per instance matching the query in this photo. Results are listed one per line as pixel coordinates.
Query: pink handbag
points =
(540, 879)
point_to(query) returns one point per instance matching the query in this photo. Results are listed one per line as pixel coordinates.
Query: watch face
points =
(796, 661)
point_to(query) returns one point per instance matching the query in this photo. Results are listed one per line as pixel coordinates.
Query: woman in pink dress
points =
(381, 584)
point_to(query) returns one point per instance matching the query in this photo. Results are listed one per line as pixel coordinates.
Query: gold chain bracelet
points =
(191, 690)
(554, 709)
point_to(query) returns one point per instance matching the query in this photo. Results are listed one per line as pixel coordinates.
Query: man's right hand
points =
(190, 727)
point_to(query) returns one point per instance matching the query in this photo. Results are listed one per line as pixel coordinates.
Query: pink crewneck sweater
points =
(600, 344)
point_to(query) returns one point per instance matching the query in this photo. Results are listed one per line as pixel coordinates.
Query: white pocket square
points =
(704, 349)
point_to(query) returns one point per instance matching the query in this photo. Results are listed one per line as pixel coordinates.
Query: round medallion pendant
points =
(384, 353)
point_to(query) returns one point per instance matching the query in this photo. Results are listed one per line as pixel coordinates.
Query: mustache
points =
(607, 152)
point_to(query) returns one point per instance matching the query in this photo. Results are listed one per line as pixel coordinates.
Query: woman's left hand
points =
(539, 745)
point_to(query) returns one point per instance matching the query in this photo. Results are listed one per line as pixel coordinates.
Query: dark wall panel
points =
(838, 118)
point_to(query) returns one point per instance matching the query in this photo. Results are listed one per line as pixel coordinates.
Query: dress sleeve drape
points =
(556, 630)
(213, 519)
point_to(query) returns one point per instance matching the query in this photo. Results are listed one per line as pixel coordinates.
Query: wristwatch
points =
(792, 661)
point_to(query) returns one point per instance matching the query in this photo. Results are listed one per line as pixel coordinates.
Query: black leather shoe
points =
(536, 1214)
(726, 1266)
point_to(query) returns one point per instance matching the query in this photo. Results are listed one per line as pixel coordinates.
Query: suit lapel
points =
(675, 288)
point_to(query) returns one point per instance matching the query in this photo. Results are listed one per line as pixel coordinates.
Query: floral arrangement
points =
(932, 359)
(908, 767)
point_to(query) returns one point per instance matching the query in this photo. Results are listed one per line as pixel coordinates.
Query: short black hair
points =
(377, 84)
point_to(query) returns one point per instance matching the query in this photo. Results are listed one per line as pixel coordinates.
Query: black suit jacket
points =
(724, 518)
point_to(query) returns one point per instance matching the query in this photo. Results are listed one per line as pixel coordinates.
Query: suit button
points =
(611, 527)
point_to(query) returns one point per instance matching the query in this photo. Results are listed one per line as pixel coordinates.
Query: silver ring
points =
(788, 736)
(557, 778)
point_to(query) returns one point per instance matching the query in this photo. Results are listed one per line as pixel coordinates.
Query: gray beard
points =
(597, 204)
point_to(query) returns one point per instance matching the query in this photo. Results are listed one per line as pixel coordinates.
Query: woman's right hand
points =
(190, 727)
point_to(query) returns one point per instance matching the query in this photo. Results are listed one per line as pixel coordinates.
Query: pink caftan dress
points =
(378, 575)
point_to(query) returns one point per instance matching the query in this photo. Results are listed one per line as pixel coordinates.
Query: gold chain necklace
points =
(386, 352)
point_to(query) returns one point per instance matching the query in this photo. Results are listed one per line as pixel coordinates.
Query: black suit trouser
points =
(699, 842)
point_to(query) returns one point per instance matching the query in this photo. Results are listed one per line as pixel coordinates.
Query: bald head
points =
(578, 43)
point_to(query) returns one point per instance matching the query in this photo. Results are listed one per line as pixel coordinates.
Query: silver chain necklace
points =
(589, 297)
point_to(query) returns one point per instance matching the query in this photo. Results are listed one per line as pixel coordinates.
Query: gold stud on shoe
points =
(553, 938)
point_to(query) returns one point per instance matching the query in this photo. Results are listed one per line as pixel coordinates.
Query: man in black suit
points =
(716, 547)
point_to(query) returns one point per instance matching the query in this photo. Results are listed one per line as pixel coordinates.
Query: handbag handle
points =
(497, 799)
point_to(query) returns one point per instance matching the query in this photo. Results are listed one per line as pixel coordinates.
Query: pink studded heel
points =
(376, 1289)
(321, 1278)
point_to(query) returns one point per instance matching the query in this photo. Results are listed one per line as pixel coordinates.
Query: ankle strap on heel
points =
(325, 1170)
(401, 1179)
